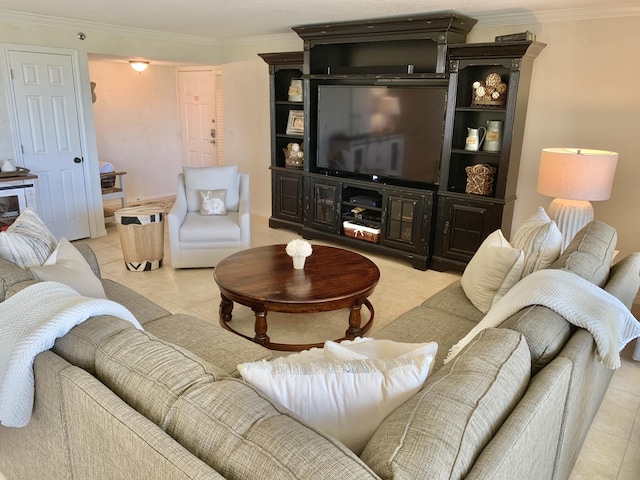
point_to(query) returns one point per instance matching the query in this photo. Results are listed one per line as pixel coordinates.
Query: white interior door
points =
(198, 127)
(44, 93)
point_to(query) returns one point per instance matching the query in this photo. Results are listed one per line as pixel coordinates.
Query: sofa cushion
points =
(492, 271)
(67, 265)
(244, 436)
(148, 373)
(425, 324)
(10, 275)
(79, 345)
(441, 431)
(453, 300)
(590, 253)
(546, 333)
(212, 178)
(541, 241)
(142, 308)
(27, 242)
(207, 340)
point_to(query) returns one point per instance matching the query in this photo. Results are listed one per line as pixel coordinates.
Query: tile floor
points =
(612, 447)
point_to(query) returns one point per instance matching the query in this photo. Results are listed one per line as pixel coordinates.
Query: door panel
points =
(198, 130)
(45, 97)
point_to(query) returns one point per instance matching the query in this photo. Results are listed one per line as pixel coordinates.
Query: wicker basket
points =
(480, 179)
(107, 181)
(361, 232)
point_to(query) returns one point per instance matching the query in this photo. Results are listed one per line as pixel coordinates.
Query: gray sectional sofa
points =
(166, 402)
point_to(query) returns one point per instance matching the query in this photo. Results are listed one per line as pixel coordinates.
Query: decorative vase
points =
(298, 261)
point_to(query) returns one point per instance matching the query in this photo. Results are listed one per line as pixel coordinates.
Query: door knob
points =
(77, 160)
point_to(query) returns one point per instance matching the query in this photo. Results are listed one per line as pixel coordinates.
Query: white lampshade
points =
(138, 65)
(575, 176)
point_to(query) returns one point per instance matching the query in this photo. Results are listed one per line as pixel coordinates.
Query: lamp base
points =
(570, 217)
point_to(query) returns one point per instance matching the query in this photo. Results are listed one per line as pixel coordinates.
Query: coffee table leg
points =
(261, 337)
(355, 320)
(226, 306)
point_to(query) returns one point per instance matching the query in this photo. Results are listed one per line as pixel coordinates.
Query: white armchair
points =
(203, 240)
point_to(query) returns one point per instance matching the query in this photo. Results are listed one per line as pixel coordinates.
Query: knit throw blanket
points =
(30, 322)
(579, 301)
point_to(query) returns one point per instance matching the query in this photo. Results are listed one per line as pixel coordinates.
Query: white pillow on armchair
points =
(212, 178)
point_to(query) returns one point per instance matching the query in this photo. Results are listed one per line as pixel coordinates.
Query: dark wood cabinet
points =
(463, 224)
(407, 222)
(287, 182)
(287, 198)
(439, 224)
(466, 219)
(323, 205)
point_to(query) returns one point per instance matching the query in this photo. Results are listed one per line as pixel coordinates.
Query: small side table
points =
(114, 192)
(141, 231)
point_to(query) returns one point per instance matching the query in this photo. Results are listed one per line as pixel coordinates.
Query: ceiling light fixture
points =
(138, 66)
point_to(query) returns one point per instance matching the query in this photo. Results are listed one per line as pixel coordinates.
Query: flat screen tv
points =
(381, 132)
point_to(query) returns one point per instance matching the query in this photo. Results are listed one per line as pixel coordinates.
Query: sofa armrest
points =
(624, 279)
(176, 217)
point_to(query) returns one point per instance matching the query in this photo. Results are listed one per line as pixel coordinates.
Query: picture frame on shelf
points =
(295, 125)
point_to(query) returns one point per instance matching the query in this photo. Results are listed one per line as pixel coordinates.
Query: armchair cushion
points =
(217, 229)
(212, 178)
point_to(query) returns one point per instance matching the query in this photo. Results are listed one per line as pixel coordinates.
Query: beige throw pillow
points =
(540, 240)
(493, 270)
(212, 202)
(67, 265)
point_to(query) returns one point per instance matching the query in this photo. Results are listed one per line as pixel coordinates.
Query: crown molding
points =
(104, 28)
(520, 18)
(568, 15)
(261, 39)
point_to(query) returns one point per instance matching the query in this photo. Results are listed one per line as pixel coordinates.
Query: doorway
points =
(46, 106)
(201, 119)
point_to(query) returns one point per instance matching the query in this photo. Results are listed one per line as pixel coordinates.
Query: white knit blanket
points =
(579, 301)
(30, 322)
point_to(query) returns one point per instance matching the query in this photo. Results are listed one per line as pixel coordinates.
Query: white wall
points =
(584, 94)
(137, 126)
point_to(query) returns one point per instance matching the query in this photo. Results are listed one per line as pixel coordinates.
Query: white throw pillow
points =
(493, 270)
(212, 202)
(345, 399)
(67, 265)
(27, 242)
(211, 178)
(540, 240)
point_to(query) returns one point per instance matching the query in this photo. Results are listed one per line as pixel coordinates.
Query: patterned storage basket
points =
(480, 179)
(108, 181)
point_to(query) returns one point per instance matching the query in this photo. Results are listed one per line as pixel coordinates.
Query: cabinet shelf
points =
(475, 152)
(482, 109)
(288, 103)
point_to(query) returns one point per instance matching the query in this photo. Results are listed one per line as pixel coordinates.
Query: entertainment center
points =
(387, 107)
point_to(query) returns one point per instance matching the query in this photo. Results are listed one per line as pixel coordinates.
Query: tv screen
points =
(392, 132)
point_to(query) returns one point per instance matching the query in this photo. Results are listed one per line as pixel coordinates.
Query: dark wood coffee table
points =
(264, 279)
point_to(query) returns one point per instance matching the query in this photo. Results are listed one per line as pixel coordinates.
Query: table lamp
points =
(575, 176)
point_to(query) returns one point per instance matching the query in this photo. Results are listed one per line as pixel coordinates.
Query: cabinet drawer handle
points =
(446, 227)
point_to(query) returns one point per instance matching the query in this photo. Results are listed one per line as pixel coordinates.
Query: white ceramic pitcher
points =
(493, 140)
(475, 137)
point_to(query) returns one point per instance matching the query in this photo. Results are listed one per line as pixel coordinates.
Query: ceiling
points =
(220, 20)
